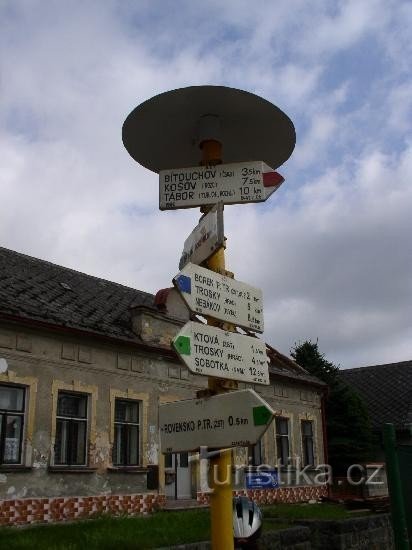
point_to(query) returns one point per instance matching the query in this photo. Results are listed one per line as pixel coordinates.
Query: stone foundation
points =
(366, 533)
(49, 510)
(282, 494)
(371, 532)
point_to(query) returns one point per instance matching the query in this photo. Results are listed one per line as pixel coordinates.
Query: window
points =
(281, 391)
(184, 460)
(282, 440)
(71, 429)
(255, 453)
(174, 460)
(307, 442)
(126, 433)
(12, 403)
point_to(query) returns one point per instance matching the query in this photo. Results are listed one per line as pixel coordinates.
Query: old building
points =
(386, 391)
(84, 364)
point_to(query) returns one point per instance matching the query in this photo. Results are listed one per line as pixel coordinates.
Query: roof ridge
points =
(407, 362)
(386, 390)
(70, 269)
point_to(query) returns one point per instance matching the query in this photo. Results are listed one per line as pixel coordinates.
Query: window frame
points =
(4, 413)
(279, 442)
(72, 420)
(184, 459)
(137, 424)
(168, 461)
(255, 453)
(305, 439)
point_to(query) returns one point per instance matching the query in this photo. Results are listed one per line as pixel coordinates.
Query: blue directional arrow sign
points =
(214, 295)
(183, 284)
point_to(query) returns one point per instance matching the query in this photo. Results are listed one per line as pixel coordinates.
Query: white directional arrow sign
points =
(236, 183)
(205, 239)
(213, 352)
(234, 419)
(209, 293)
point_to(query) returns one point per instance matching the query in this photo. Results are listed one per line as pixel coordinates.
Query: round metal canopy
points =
(163, 132)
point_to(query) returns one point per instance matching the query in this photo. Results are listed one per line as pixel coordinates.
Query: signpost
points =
(211, 351)
(236, 183)
(205, 239)
(220, 297)
(232, 419)
(164, 133)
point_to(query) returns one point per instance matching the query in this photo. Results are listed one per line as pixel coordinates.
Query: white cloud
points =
(322, 130)
(400, 100)
(337, 266)
(351, 21)
(331, 249)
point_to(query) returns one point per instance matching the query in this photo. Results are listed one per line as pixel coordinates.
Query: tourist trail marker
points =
(236, 183)
(205, 239)
(234, 419)
(169, 133)
(211, 294)
(213, 352)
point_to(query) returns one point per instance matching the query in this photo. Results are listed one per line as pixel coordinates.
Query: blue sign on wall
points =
(267, 479)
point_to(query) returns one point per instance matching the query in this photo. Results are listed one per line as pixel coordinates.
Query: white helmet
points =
(247, 519)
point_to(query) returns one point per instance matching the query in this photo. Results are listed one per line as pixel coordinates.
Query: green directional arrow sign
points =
(182, 345)
(233, 419)
(261, 416)
(211, 351)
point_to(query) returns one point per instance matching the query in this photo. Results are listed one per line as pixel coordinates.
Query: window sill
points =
(127, 469)
(10, 468)
(71, 469)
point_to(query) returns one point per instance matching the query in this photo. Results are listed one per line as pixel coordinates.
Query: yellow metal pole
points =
(221, 466)
(221, 502)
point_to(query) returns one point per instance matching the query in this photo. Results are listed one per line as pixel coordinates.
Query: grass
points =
(160, 529)
(294, 512)
(157, 530)
(272, 526)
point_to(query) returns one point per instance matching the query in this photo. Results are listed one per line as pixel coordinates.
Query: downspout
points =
(324, 432)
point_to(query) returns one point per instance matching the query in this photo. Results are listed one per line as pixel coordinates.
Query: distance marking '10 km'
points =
(236, 183)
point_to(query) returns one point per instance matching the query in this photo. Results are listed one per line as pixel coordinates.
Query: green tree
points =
(347, 423)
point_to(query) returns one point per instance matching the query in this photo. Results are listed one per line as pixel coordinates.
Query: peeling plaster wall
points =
(54, 362)
(46, 362)
(295, 402)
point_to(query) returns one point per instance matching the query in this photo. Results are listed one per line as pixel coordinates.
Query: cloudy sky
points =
(332, 249)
